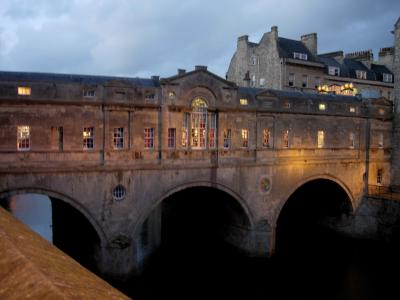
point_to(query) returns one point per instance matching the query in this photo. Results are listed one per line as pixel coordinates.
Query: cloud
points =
(142, 38)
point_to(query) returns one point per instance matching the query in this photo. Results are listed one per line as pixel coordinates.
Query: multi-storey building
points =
(286, 64)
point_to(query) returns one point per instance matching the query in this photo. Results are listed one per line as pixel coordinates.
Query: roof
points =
(379, 70)
(286, 47)
(72, 78)
(30, 267)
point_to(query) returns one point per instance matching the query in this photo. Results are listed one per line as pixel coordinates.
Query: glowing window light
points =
(24, 90)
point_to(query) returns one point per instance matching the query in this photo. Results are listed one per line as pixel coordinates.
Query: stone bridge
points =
(115, 148)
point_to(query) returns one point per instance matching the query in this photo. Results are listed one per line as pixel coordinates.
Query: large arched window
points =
(199, 124)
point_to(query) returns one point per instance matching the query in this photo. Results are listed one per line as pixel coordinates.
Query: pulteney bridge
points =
(114, 149)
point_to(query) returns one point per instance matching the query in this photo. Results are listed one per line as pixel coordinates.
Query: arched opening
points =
(199, 234)
(313, 215)
(59, 222)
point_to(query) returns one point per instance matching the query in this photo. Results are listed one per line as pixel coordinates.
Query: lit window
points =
(380, 140)
(24, 90)
(381, 111)
(387, 77)
(266, 138)
(286, 104)
(23, 138)
(118, 138)
(321, 136)
(57, 138)
(334, 71)
(298, 55)
(379, 176)
(119, 193)
(352, 139)
(285, 139)
(361, 74)
(322, 106)
(185, 130)
(199, 123)
(227, 139)
(89, 93)
(318, 82)
(171, 138)
(305, 81)
(245, 138)
(148, 138)
(244, 101)
(88, 137)
(291, 79)
(171, 95)
(213, 130)
(262, 81)
(352, 109)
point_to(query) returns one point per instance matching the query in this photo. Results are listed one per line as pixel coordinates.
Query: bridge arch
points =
(136, 227)
(60, 196)
(303, 182)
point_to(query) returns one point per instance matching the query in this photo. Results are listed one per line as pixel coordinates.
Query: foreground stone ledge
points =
(30, 267)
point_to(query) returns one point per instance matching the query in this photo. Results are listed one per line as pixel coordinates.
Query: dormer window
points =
(244, 101)
(302, 56)
(361, 74)
(334, 71)
(322, 106)
(171, 95)
(89, 93)
(387, 77)
(150, 97)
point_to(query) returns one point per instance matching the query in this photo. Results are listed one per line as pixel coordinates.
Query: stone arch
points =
(136, 227)
(307, 180)
(67, 199)
(203, 92)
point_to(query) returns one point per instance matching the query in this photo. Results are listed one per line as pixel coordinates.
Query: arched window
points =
(199, 124)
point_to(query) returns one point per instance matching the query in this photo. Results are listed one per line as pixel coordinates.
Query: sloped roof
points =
(73, 78)
(286, 47)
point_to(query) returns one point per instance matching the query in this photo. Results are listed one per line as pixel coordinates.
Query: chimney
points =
(310, 41)
(366, 57)
(386, 57)
(200, 68)
(274, 32)
(181, 71)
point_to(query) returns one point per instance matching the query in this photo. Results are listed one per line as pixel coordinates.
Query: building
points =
(285, 64)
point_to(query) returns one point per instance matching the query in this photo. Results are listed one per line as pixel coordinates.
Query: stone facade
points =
(78, 138)
(286, 64)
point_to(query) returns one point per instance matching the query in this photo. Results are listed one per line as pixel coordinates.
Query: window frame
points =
(244, 133)
(148, 137)
(118, 138)
(171, 138)
(88, 138)
(227, 138)
(23, 138)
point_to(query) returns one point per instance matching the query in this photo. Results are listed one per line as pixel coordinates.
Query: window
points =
(318, 82)
(89, 93)
(379, 176)
(266, 138)
(380, 140)
(254, 60)
(291, 79)
(334, 71)
(304, 82)
(320, 139)
(23, 138)
(298, 55)
(118, 138)
(171, 95)
(352, 109)
(227, 139)
(185, 130)
(119, 193)
(243, 101)
(322, 106)
(381, 111)
(213, 130)
(88, 138)
(352, 139)
(361, 74)
(150, 97)
(57, 138)
(199, 123)
(245, 138)
(387, 77)
(285, 139)
(148, 138)
(286, 104)
(24, 91)
(253, 80)
(171, 138)
(262, 81)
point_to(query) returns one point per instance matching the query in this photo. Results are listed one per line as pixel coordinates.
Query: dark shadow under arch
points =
(315, 212)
